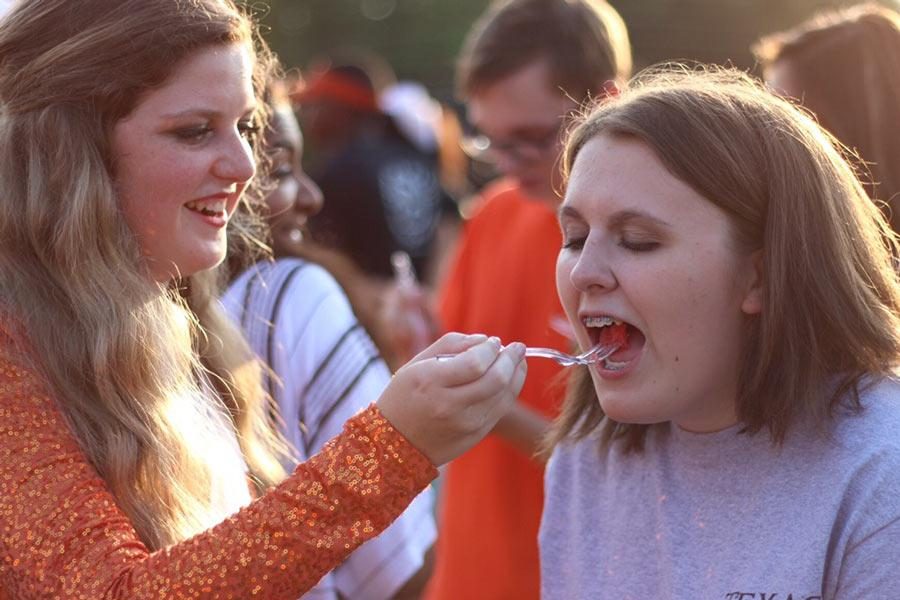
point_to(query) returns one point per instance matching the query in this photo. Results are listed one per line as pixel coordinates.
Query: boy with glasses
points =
(526, 66)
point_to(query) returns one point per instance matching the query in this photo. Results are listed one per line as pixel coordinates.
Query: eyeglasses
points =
(521, 149)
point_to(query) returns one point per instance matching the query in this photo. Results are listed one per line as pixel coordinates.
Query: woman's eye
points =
(638, 245)
(573, 243)
(281, 172)
(193, 134)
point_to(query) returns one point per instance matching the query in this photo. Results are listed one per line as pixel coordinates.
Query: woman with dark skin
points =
(324, 368)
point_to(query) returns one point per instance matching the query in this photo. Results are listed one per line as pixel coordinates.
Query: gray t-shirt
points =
(727, 516)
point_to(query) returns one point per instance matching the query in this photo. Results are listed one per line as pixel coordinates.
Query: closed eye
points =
(638, 246)
(282, 172)
(575, 243)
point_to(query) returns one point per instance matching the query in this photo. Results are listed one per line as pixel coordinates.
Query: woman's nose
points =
(593, 269)
(309, 195)
(236, 161)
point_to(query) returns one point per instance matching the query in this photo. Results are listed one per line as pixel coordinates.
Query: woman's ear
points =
(753, 294)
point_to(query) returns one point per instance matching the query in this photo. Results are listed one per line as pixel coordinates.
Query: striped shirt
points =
(326, 369)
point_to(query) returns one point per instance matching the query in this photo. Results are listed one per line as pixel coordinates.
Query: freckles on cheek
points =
(146, 225)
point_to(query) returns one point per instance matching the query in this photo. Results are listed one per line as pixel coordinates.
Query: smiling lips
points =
(213, 209)
(210, 208)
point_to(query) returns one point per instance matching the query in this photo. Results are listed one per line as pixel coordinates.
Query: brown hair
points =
(584, 41)
(131, 362)
(831, 296)
(847, 64)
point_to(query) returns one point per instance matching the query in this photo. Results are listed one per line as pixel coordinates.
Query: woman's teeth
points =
(610, 365)
(207, 208)
(608, 330)
(599, 321)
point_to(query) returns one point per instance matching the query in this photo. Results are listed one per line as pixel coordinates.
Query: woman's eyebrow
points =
(624, 217)
(566, 210)
(205, 112)
(618, 219)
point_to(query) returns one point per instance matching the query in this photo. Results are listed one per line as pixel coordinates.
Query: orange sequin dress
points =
(63, 536)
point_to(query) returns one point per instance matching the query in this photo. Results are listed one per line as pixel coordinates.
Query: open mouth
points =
(608, 331)
(209, 209)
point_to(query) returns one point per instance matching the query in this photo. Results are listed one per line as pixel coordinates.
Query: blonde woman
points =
(744, 442)
(132, 418)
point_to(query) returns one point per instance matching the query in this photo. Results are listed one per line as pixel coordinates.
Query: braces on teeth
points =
(600, 322)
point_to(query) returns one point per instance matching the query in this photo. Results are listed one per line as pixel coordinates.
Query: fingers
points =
(492, 396)
(489, 414)
(505, 375)
(466, 366)
(451, 343)
(445, 406)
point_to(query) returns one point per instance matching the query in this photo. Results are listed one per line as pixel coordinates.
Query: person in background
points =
(743, 442)
(844, 66)
(324, 368)
(133, 424)
(525, 66)
(385, 194)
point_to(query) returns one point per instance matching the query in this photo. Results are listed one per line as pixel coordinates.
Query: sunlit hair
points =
(847, 64)
(831, 295)
(246, 250)
(133, 363)
(584, 41)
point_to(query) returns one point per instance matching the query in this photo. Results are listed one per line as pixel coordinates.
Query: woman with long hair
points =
(132, 417)
(743, 442)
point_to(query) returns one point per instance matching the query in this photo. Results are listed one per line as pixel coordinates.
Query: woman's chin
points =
(287, 243)
(625, 410)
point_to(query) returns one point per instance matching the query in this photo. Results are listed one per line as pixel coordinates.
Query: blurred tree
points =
(420, 38)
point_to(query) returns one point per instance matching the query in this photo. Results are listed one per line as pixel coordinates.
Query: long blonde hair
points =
(831, 304)
(135, 365)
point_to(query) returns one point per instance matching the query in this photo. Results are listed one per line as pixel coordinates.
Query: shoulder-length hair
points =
(831, 295)
(847, 64)
(133, 363)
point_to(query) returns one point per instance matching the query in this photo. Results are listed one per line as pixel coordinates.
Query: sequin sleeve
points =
(62, 535)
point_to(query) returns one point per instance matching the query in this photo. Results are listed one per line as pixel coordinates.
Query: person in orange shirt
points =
(526, 66)
(132, 418)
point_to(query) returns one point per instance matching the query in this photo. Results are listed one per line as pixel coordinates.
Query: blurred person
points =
(133, 423)
(525, 66)
(324, 368)
(385, 183)
(384, 196)
(743, 443)
(844, 66)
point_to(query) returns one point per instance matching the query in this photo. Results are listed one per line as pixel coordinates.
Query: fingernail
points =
(495, 340)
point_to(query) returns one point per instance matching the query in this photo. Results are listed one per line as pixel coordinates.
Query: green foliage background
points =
(419, 38)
